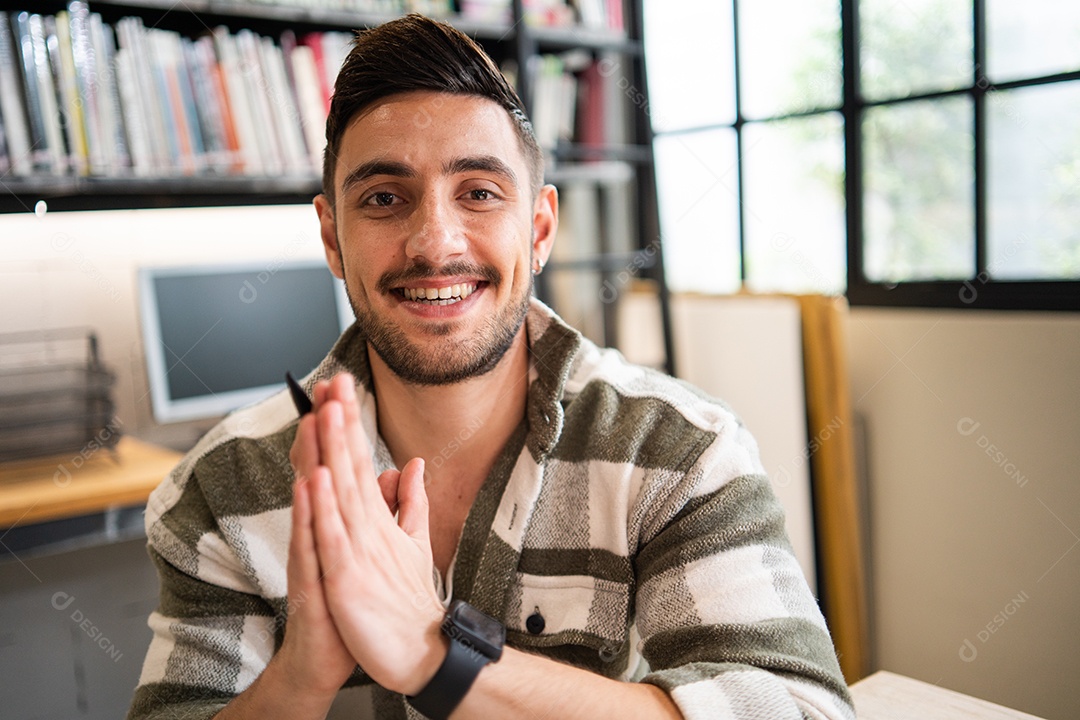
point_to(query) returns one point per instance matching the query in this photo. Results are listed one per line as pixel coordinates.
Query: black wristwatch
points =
(475, 640)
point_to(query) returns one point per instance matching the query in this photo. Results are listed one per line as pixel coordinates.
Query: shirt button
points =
(535, 623)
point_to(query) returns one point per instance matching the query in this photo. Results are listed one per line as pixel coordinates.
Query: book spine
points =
(74, 123)
(16, 123)
(54, 130)
(326, 87)
(114, 135)
(254, 83)
(289, 115)
(205, 49)
(86, 77)
(205, 106)
(134, 100)
(252, 161)
(312, 107)
(142, 161)
(39, 144)
(188, 141)
(165, 99)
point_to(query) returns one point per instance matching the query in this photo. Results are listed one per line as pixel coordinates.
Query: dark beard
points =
(455, 361)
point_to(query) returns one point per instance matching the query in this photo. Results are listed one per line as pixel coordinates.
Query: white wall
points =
(973, 450)
(79, 269)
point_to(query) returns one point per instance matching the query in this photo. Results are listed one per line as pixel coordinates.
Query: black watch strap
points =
(451, 681)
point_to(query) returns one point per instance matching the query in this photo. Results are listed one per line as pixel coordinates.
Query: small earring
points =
(538, 266)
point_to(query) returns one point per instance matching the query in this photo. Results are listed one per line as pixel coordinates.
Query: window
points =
(906, 152)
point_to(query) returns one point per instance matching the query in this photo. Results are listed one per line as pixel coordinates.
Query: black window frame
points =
(981, 291)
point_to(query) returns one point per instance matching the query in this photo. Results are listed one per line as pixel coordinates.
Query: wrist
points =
(473, 640)
(437, 646)
(299, 677)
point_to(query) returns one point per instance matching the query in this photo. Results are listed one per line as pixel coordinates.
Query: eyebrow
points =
(376, 167)
(483, 163)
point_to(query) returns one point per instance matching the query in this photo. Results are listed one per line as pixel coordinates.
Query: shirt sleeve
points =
(729, 626)
(213, 634)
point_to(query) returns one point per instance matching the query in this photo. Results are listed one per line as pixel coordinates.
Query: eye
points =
(481, 194)
(382, 199)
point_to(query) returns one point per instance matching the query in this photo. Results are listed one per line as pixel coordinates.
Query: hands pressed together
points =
(360, 580)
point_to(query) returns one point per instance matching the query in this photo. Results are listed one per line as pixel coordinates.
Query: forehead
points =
(420, 128)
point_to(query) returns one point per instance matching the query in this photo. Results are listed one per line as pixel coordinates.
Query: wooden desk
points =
(887, 696)
(39, 490)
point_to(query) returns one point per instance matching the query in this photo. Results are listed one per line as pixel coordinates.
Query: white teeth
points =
(442, 295)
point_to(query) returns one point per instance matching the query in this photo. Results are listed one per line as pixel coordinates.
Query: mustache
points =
(423, 270)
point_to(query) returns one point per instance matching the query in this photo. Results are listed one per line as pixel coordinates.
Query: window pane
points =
(914, 46)
(691, 63)
(789, 65)
(918, 191)
(696, 176)
(1031, 38)
(794, 211)
(1034, 182)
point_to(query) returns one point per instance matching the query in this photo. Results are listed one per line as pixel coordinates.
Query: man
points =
(467, 445)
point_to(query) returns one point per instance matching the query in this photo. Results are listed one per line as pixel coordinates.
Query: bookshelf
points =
(143, 103)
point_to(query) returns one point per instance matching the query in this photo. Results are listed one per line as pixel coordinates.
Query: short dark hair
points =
(417, 53)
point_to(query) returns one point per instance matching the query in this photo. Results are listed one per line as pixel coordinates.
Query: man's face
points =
(433, 230)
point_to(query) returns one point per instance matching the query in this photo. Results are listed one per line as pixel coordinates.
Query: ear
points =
(328, 232)
(545, 222)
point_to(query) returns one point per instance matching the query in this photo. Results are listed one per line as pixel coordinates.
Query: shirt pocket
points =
(576, 619)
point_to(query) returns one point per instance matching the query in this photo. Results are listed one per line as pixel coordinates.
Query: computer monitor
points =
(221, 337)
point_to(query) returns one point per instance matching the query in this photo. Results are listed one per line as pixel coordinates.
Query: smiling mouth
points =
(439, 295)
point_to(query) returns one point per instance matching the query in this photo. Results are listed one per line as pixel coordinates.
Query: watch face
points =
(474, 627)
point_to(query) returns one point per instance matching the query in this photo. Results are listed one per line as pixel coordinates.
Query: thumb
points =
(388, 484)
(413, 501)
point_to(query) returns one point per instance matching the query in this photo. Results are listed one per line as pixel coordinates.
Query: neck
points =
(458, 429)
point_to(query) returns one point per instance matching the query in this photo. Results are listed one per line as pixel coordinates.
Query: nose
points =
(436, 234)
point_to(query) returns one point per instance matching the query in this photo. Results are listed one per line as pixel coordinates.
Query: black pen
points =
(299, 397)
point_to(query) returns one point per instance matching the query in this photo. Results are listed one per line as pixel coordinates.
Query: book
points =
(12, 107)
(55, 150)
(71, 106)
(312, 105)
(142, 158)
(233, 159)
(253, 81)
(39, 144)
(251, 158)
(87, 82)
(113, 137)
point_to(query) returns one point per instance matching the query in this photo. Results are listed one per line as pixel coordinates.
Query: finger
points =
(332, 543)
(344, 390)
(413, 502)
(303, 569)
(304, 453)
(388, 484)
(336, 456)
(318, 394)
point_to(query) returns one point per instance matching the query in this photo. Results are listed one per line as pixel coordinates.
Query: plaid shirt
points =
(629, 509)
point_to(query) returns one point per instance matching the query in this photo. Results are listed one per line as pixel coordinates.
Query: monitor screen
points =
(221, 337)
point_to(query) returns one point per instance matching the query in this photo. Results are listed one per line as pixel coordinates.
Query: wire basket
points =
(55, 395)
